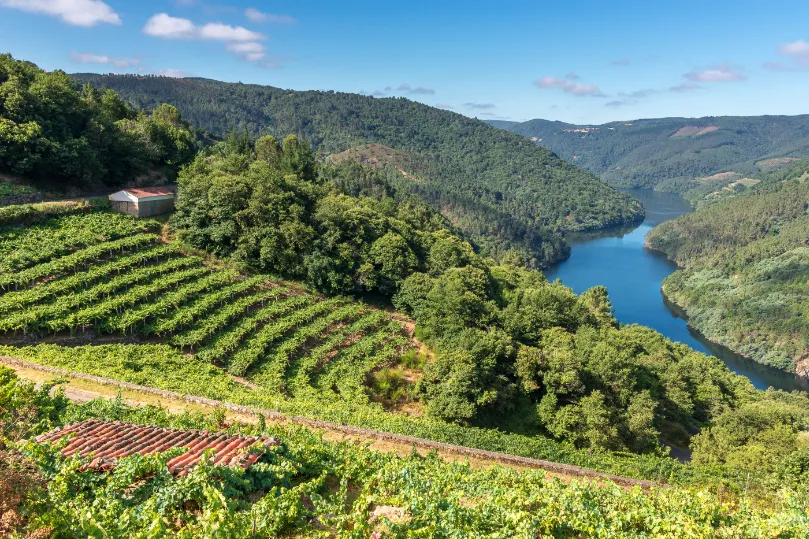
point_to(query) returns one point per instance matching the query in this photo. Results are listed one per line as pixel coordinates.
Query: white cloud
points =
(249, 50)
(569, 87)
(798, 51)
(257, 16)
(716, 74)
(89, 58)
(237, 39)
(168, 27)
(419, 90)
(798, 48)
(77, 12)
(480, 106)
(174, 73)
(443, 106)
(224, 32)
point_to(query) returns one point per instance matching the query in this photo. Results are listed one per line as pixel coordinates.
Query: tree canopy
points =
(504, 192)
(67, 138)
(746, 264)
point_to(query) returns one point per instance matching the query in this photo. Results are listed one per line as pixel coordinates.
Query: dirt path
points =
(84, 387)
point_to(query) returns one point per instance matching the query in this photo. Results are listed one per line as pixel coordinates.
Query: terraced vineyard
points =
(97, 273)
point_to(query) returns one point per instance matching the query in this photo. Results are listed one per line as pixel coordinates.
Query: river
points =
(633, 274)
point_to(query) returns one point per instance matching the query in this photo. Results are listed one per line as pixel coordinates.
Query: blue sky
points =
(582, 62)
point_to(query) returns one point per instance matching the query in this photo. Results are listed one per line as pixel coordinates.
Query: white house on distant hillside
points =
(143, 202)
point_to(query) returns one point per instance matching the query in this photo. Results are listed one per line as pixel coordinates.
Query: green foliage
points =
(668, 154)
(499, 189)
(26, 410)
(310, 487)
(759, 435)
(281, 214)
(66, 139)
(14, 189)
(745, 268)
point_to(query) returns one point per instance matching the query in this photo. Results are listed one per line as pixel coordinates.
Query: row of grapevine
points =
(255, 347)
(22, 247)
(300, 372)
(74, 261)
(213, 325)
(16, 300)
(38, 316)
(114, 277)
(271, 373)
(348, 370)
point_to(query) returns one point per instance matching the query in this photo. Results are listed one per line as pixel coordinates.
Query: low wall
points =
(12, 200)
(503, 458)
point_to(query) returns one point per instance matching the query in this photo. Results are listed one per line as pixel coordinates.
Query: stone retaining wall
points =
(12, 200)
(503, 458)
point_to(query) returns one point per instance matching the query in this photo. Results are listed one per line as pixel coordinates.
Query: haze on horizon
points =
(591, 64)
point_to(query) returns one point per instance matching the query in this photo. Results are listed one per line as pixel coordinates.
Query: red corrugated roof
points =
(109, 441)
(146, 192)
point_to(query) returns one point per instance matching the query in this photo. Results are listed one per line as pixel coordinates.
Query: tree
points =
(640, 421)
(596, 302)
(393, 260)
(268, 150)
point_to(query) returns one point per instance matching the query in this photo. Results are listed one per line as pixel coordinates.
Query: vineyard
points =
(98, 274)
(308, 487)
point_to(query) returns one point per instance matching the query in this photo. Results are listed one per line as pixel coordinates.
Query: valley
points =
(338, 263)
(674, 154)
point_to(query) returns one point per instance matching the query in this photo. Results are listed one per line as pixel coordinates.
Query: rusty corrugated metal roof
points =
(146, 192)
(109, 441)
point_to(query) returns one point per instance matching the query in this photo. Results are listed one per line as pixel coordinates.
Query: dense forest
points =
(511, 349)
(746, 265)
(68, 141)
(505, 193)
(672, 154)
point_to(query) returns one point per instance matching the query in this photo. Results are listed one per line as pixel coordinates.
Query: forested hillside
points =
(673, 154)
(502, 191)
(746, 265)
(68, 139)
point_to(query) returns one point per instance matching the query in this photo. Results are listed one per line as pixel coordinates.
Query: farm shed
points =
(143, 202)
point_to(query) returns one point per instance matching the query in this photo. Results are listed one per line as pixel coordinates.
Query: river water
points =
(633, 275)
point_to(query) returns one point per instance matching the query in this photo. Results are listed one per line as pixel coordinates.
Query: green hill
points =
(746, 264)
(496, 187)
(672, 154)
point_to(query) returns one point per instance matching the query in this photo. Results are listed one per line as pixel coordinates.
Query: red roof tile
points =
(146, 192)
(109, 441)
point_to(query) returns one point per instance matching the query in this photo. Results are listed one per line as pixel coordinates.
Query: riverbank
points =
(758, 349)
(801, 367)
(744, 265)
(633, 274)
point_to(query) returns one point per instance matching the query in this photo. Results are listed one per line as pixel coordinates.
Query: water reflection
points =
(617, 259)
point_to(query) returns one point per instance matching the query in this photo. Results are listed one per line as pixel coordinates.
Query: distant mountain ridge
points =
(500, 190)
(670, 154)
